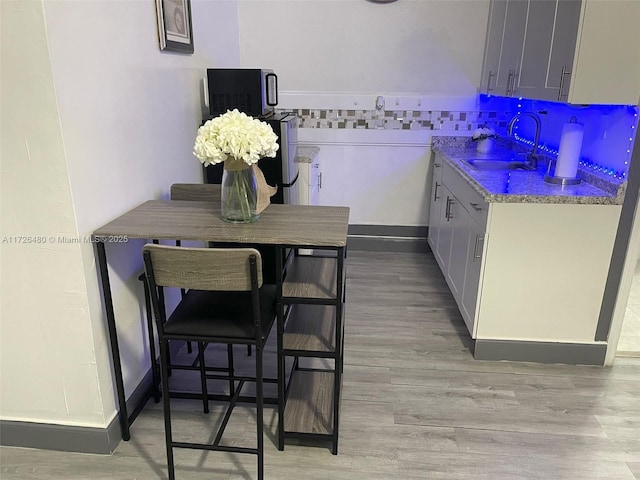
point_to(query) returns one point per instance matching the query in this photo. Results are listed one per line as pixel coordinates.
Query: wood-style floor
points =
(415, 405)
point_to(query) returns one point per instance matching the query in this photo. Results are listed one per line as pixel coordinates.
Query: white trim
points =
(367, 101)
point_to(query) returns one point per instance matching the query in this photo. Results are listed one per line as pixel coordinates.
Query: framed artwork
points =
(174, 25)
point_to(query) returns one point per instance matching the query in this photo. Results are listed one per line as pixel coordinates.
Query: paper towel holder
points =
(569, 152)
(551, 178)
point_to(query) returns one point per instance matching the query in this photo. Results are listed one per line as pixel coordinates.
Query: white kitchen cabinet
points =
(310, 180)
(606, 68)
(458, 220)
(536, 48)
(503, 46)
(537, 41)
(309, 176)
(549, 49)
(437, 191)
(531, 272)
(544, 271)
(563, 47)
(470, 295)
(493, 46)
(379, 183)
(511, 51)
(315, 183)
(445, 234)
(458, 238)
(579, 51)
(547, 35)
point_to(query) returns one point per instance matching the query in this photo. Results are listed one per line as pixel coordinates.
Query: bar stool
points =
(203, 192)
(225, 302)
(186, 192)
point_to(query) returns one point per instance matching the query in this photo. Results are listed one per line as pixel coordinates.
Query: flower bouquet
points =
(239, 141)
(484, 136)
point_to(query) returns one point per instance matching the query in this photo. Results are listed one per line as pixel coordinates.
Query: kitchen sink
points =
(498, 164)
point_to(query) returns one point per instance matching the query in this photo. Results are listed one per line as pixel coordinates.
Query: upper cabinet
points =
(503, 46)
(492, 47)
(549, 48)
(607, 64)
(511, 51)
(576, 51)
(562, 51)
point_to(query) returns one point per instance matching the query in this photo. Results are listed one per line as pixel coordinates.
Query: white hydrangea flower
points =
(237, 135)
(483, 132)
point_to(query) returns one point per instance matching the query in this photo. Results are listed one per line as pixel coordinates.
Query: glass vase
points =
(239, 194)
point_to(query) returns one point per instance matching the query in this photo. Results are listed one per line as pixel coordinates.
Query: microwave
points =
(250, 90)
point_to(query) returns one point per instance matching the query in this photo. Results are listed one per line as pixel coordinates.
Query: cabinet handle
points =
(319, 180)
(514, 78)
(511, 82)
(436, 165)
(435, 192)
(447, 211)
(477, 256)
(491, 74)
(476, 207)
(563, 75)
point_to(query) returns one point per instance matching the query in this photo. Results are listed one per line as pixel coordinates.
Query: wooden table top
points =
(290, 225)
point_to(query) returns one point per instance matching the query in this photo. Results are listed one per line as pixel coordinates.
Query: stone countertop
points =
(306, 153)
(525, 186)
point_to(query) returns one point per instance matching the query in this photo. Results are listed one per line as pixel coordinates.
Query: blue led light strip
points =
(585, 162)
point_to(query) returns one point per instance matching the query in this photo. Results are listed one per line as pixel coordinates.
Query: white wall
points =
(97, 120)
(413, 46)
(47, 360)
(382, 175)
(342, 54)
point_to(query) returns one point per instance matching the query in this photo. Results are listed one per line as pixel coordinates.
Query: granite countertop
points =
(525, 186)
(306, 154)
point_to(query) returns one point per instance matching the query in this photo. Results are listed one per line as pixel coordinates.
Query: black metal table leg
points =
(281, 359)
(113, 338)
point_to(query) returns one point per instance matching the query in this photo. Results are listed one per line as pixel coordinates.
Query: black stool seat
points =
(221, 315)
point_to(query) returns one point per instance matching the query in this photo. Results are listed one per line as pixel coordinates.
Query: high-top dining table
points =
(282, 226)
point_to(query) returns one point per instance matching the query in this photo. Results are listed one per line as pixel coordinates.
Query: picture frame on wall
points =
(174, 25)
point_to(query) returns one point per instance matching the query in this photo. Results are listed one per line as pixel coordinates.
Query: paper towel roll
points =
(569, 151)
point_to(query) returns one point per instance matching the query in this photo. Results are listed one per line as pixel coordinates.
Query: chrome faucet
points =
(533, 156)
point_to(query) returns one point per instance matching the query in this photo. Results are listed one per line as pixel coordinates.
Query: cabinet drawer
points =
(468, 197)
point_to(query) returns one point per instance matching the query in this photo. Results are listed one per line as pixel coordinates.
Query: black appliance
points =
(250, 90)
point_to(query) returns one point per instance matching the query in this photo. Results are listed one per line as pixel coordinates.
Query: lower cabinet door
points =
(445, 230)
(458, 219)
(472, 282)
(435, 206)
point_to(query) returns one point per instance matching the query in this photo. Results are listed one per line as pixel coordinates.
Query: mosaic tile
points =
(400, 119)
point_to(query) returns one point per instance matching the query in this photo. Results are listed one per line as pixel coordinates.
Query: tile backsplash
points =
(608, 140)
(437, 120)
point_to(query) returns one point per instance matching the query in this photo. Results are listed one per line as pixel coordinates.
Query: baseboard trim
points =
(71, 438)
(387, 238)
(65, 438)
(541, 352)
